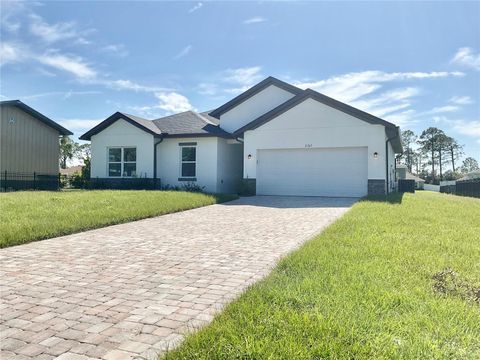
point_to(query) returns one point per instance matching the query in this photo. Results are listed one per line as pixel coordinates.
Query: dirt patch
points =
(448, 282)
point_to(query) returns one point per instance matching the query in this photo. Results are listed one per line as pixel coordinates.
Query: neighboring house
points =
(403, 173)
(69, 171)
(275, 137)
(29, 141)
(470, 176)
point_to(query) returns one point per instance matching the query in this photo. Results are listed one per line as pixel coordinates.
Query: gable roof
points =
(141, 123)
(188, 123)
(36, 115)
(392, 131)
(253, 91)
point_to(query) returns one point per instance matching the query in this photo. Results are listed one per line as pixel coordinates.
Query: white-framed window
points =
(122, 161)
(188, 161)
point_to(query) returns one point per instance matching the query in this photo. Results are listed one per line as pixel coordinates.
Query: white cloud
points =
(242, 78)
(469, 128)
(173, 102)
(9, 12)
(402, 119)
(196, 7)
(184, 52)
(207, 89)
(80, 125)
(361, 89)
(461, 100)
(52, 33)
(116, 49)
(73, 65)
(465, 56)
(63, 94)
(11, 53)
(254, 20)
(351, 86)
(12, 27)
(461, 126)
(443, 109)
(169, 102)
(129, 85)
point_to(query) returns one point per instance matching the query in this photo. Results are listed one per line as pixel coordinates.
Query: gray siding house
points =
(29, 141)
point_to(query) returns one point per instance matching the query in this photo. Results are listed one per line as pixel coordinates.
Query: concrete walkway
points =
(133, 290)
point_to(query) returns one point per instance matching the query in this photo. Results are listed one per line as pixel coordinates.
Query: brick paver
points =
(133, 290)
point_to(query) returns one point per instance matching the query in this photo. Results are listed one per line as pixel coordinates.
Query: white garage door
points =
(313, 172)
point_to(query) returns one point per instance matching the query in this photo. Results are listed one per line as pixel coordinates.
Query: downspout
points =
(155, 158)
(386, 159)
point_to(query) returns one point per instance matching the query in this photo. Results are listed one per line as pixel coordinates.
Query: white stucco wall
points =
(313, 124)
(257, 105)
(169, 165)
(229, 165)
(122, 133)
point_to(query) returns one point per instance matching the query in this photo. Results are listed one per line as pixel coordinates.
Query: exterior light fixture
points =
(249, 156)
(375, 155)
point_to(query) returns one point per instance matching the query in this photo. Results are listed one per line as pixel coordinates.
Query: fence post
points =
(58, 185)
(34, 180)
(5, 181)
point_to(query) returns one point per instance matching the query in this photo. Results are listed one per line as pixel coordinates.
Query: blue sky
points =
(414, 64)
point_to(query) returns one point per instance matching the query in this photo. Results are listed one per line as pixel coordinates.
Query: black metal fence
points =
(463, 188)
(13, 181)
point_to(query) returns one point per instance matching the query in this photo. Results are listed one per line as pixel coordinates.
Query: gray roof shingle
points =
(190, 123)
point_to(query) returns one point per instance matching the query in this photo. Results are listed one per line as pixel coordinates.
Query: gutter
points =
(386, 158)
(155, 157)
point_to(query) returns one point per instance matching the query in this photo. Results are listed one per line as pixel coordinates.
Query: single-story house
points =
(29, 141)
(403, 173)
(274, 138)
(72, 170)
(475, 174)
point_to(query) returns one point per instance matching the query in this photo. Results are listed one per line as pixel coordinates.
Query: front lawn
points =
(34, 215)
(388, 280)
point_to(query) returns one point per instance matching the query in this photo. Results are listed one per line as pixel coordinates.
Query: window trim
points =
(181, 162)
(122, 162)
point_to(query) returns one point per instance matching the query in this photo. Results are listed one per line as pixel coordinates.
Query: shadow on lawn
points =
(394, 198)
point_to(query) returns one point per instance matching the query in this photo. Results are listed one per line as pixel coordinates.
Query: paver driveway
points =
(132, 290)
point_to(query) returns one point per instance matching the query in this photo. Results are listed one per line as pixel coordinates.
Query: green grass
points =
(34, 215)
(363, 289)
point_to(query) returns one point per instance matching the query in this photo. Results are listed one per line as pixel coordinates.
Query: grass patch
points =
(367, 287)
(35, 215)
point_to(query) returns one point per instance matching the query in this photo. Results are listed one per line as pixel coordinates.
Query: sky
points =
(416, 64)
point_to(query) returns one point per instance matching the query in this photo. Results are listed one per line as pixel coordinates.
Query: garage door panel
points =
(312, 172)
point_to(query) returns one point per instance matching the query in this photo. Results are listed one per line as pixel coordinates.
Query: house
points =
(29, 141)
(274, 138)
(403, 173)
(72, 170)
(475, 174)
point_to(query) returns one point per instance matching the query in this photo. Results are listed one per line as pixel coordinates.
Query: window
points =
(122, 162)
(188, 161)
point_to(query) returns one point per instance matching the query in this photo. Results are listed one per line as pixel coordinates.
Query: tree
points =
(454, 149)
(442, 143)
(429, 142)
(451, 175)
(70, 149)
(469, 165)
(408, 138)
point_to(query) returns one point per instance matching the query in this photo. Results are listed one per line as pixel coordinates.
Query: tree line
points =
(70, 150)
(430, 153)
